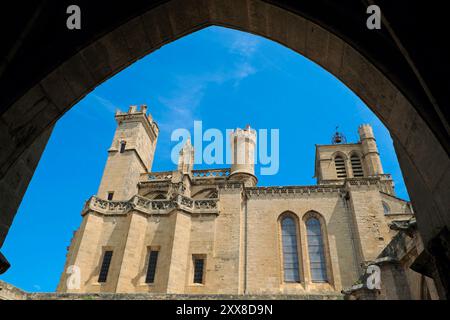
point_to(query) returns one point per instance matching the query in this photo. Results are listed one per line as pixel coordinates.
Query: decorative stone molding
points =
(383, 181)
(164, 175)
(339, 182)
(205, 204)
(149, 206)
(106, 207)
(155, 184)
(362, 182)
(230, 185)
(291, 191)
(211, 173)
(196, 174)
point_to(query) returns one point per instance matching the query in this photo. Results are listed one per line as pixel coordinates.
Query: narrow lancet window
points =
(290, 251)
(317, 261)
(103, 276)
(151, 268)
(122, 146)
(199, 264)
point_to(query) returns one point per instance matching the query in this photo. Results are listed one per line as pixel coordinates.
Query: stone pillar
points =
(84, 254)
(370, 227)
(133, 252)
(179, 257)
(229, 247)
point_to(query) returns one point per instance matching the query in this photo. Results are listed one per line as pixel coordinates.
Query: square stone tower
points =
(130, 155)
(357, 167)
(341, 160)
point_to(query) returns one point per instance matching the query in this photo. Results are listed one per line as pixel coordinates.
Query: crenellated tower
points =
(130, 155)
(243, 143)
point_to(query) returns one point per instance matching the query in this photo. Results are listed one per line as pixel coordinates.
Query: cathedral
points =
(216, 231)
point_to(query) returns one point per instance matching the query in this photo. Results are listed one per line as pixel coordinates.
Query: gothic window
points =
(199, 264)
(122, 146)
(110, 195)
(151, 268)
(339, 162)
(316, 251)
(386, 208)
(356, 166)
(290, 252)
(107, 256)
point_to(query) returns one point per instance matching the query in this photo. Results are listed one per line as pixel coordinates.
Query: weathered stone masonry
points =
(216, 232)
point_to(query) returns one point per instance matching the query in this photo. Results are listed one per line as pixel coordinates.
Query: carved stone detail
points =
(149, 206)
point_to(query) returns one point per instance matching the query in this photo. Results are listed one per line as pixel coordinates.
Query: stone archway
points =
(423, 159)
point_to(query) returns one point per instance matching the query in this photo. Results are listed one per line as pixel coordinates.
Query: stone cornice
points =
(155, 184)
(292, 191)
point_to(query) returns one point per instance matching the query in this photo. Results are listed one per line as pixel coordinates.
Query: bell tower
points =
(130, 155)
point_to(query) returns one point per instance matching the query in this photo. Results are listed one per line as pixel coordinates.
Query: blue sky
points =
(226, 79)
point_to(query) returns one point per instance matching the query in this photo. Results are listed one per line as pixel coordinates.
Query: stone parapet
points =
(149, 206)
(291, 191)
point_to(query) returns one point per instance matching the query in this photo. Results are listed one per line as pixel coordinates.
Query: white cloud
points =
(243, 71)
(190, 89)
(244, 44)
(107, 104)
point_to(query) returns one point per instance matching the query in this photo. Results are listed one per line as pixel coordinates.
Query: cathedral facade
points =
(217, 232)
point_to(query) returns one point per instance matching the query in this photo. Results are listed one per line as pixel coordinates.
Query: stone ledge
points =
(10, 292)
(151, 296)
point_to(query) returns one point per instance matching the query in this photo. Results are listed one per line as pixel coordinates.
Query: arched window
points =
(317, 261)
(339, 162)
(386, 208)
(290, 252)
(356, 166)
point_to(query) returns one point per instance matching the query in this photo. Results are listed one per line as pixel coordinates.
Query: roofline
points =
(338, 144)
